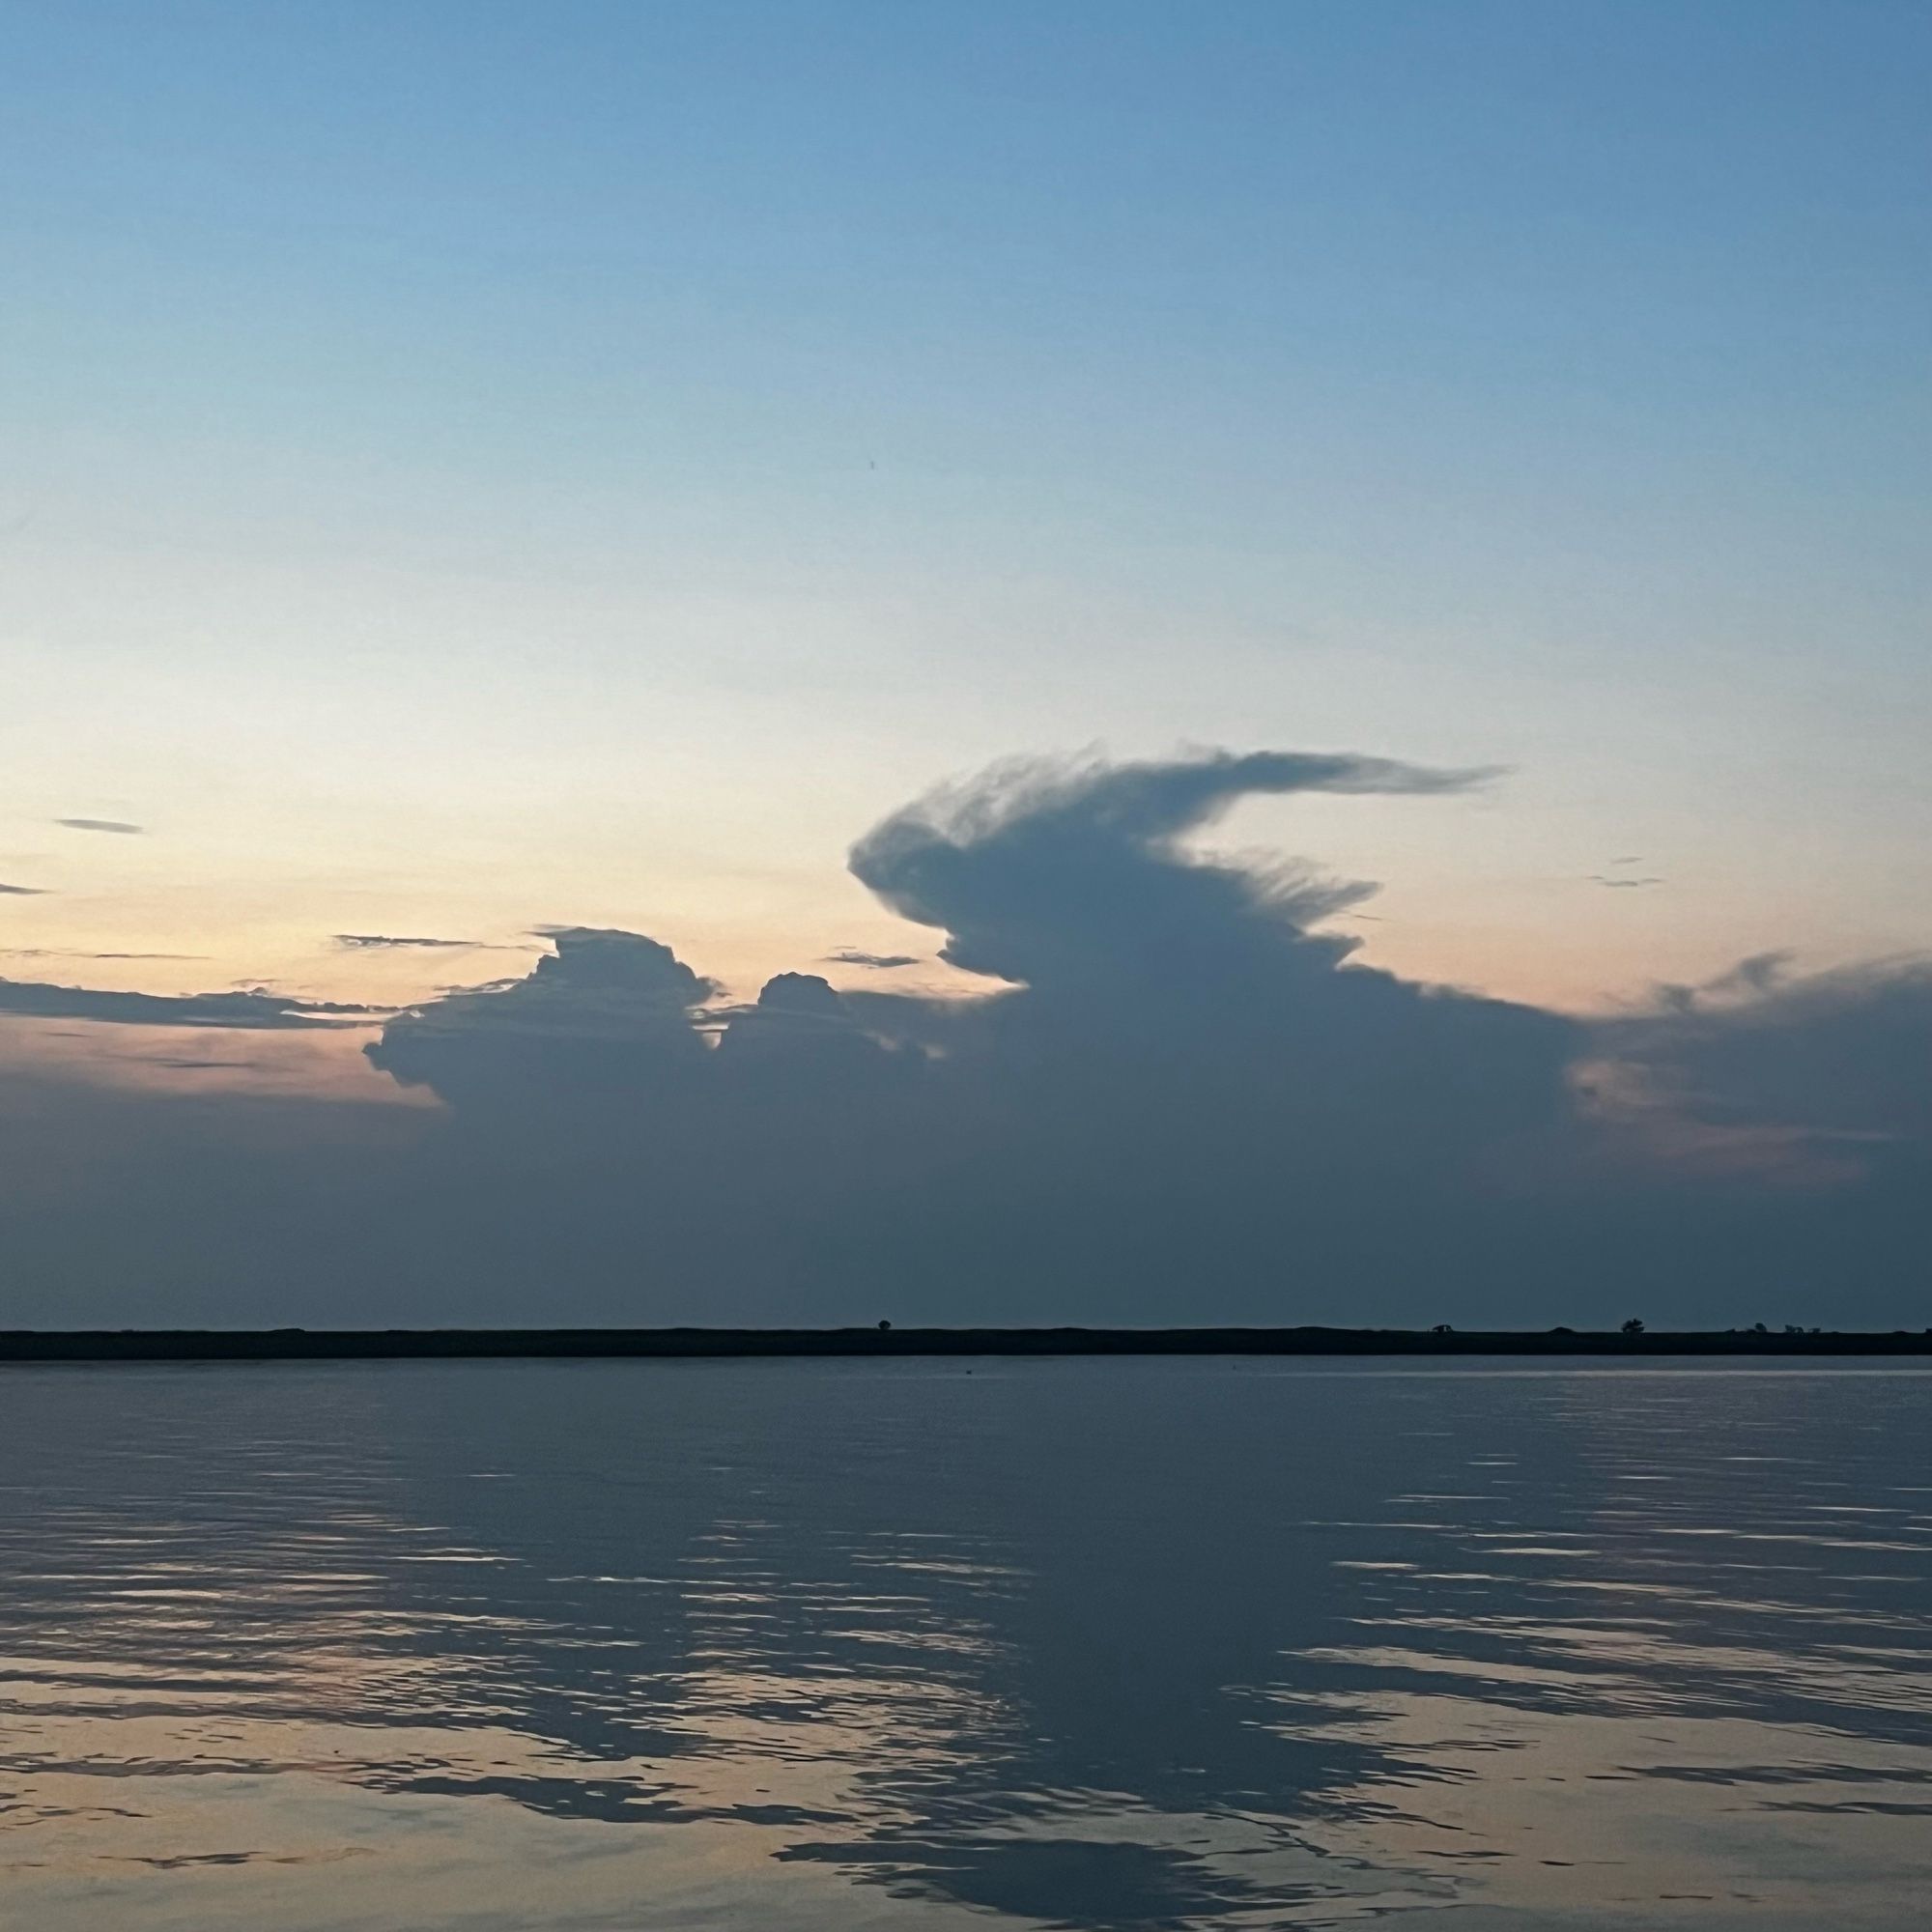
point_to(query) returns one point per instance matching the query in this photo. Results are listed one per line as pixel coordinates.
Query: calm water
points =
(1076, 1644)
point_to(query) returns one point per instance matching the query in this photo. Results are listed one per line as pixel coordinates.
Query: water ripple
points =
(1103, 1645)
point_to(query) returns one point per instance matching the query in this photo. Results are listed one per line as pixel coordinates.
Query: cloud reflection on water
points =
(1097, 1645)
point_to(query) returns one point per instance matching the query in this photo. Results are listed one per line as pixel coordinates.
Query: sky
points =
(508, 476)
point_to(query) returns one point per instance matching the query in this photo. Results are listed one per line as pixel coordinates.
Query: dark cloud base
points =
(1181, 1098)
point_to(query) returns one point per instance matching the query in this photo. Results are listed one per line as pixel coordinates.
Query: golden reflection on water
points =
(1090, 1645)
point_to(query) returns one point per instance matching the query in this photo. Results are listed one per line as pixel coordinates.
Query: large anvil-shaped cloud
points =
(1180, 1080)
(1039, 860)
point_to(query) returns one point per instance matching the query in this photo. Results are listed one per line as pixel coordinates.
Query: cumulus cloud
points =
(1837, 1063)
(1177, 1094)
(1766, 1141)
(118, 825)
(1180, 1094)
(606, 1012)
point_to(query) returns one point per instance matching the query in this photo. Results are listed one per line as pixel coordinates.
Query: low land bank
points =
(217, 1344)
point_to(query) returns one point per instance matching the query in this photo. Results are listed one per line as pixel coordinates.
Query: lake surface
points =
(1087, 1644)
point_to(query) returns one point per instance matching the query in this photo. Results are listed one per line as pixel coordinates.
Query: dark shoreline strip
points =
(311, 1345)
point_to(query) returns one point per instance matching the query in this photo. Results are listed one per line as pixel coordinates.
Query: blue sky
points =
(474, 465)
(494, 501)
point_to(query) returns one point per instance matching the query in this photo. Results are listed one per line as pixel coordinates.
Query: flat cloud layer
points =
(254, 1010)
(377, 941)
(1180, 1099)
(878, 962)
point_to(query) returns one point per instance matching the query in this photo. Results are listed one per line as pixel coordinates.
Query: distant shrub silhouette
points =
(1632, 1327)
